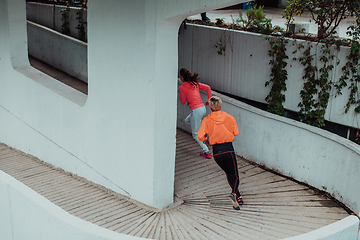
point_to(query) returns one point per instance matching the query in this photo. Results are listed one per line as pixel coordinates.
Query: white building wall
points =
(345, 229)
(243, 68)
(43, 14)
(122, 135)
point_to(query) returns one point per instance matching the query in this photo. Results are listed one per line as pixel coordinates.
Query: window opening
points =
(57, 40)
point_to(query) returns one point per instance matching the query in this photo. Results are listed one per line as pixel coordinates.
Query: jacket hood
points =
(218, 117)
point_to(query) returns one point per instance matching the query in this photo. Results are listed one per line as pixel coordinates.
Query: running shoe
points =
(240, 200)
(234, 201)
(205, 154)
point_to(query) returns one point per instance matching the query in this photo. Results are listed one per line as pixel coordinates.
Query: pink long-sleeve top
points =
(190, 93)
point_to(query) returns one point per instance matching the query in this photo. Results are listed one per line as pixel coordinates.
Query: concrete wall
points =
(244, 67)
(345, 229)
(60, 51)
(122, 135)
(43, 14)
(50, 16)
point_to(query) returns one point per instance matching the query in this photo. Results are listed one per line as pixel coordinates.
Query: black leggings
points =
(225, 157)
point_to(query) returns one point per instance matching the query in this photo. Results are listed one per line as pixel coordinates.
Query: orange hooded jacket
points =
(220, 126)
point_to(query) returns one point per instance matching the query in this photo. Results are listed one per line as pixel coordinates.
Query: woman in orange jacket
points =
(189, 92)
(219, 129)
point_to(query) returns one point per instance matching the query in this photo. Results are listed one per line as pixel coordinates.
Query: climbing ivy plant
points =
(317, 86)
(65, 20)
(351, 70)
(317, 83)
(278, 75)
(81, 25)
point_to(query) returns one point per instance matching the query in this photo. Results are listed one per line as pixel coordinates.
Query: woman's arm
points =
(206, 88)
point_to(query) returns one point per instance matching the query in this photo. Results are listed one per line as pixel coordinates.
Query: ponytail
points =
(188, 77)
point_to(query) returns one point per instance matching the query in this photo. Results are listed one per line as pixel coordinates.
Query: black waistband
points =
(221, 147)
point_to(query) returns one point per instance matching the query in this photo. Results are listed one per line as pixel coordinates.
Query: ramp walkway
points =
(274, 206)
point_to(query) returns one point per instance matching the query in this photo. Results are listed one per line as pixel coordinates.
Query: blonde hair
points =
(215, 103)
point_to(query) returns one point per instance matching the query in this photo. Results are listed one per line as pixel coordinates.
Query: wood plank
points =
(274, 206)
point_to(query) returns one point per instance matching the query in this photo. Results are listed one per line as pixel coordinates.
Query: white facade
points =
(244, 68)
(122, 135)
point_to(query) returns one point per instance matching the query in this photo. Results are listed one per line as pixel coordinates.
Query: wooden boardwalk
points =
(274, 207)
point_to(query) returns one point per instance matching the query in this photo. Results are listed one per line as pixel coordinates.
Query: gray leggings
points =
(194, 119)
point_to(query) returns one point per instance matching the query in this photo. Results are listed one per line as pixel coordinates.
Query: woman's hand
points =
(206, 141)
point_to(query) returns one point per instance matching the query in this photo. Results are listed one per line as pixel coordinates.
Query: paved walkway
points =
(274, 207)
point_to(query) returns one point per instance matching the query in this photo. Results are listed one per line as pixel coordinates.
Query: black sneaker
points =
(204, 17)
(234, 201)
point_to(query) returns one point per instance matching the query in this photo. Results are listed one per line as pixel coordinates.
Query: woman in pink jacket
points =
(189, 92)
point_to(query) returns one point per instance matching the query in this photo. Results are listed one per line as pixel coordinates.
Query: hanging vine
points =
(351, 74)
(278, 75)
(81, 25)
(351, 70)
(223, 42)
(316, 91)
(65, 20)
